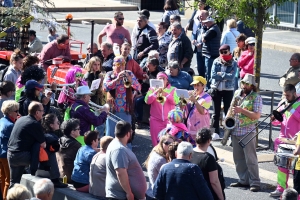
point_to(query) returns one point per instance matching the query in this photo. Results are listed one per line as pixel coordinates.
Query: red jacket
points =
(133, 66)
(246, 63)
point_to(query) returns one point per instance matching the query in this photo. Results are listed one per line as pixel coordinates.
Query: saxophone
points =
(231, 119)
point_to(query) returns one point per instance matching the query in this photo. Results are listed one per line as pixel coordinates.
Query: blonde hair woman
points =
(229, 36)
(95, 71)
(156, 159)
(19, 192)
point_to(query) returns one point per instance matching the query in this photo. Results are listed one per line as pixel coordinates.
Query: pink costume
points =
(195, 120)
(289, 127)
(159, 112)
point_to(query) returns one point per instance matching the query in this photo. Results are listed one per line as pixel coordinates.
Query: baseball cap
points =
(32, 84)
(198, 79)
(144, 12)
(250, 40)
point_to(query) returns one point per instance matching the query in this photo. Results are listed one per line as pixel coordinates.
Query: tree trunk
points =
(258, 50)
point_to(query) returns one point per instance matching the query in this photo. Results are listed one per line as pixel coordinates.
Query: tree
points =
(254, 14)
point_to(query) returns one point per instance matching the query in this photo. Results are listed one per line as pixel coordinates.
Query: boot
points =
(58, 184)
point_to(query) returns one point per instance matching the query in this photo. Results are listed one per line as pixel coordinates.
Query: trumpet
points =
(160, 98)
(127, 83)
(62, 85)
(183, 101)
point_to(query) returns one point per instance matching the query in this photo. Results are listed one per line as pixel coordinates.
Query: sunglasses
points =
(79, 75)
(224, 52)
(252, 44)
(120, 18)
(167, 143)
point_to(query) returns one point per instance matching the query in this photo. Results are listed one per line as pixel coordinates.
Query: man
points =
(124, 176)
(290, 126)
(146, 39)
(135, 30)
(181, 179)
(108, 56)
(81, 110)
(291, 75)
(210, 47)
(35, 45)
(43, 189)
(180, 48)
(247, 113)
(115, 33)
(27, 132)
(289, 194)
(92, 52)
(57, 48)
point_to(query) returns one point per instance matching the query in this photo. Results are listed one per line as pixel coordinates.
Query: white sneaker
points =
(215, 136)
(276, 193)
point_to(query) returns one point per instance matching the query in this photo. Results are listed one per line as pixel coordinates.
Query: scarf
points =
(227, 62)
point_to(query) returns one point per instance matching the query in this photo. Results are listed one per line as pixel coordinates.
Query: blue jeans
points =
(208, 66)
(138, 108)
(200, 64)
(101, 130)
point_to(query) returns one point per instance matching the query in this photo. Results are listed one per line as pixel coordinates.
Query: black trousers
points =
(226, 96)
(296, 180)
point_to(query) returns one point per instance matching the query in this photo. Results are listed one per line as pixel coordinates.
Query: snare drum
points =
(285, 160)
(286, 148)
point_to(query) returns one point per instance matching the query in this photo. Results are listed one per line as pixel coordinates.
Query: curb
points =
(90, 9)
(281, 47)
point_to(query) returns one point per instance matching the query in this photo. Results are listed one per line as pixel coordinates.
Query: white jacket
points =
(228, 37)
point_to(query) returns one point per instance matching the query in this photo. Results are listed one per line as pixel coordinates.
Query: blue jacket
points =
(228, 75)
(6, 127)
(82, 164)
(181, 180)
(182, 81)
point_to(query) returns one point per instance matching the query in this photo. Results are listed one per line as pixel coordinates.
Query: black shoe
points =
(254, 188)
(58, 184)
(238, 184)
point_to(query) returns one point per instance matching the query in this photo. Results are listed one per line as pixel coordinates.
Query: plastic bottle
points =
(116, 49)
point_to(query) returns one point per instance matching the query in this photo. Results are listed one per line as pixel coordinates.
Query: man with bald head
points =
(92, 51)
(26, 133)
(43, 189)
(291, 75)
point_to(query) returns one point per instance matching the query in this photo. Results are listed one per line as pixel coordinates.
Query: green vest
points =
(247, 104)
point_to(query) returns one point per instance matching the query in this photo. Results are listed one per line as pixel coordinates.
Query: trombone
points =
(62, 85)
(277, 115)
(98, 108)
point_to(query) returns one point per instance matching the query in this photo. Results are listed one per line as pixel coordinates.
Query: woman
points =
(172, 151)
(230, 35)
(16, 65)
(152, 69)
(177, 128)
(68, 147)
(177, 78)
(131, 64)
(82, 162)
(222, 81)
(7, 89)
(51, 124)
(67, 96)
(159, 110)
(164, 40)
(10, 109)
(171, 8)
(237, 52)
(94, 72)
(197, 110)
(155, 160)
(19, 192)
(207, 163)
(246, 61)
(98, 169)
(119, 96)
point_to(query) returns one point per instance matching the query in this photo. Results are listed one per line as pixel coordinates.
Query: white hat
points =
(249, 78)
(82, 90)
(208, 19)
(250, 40)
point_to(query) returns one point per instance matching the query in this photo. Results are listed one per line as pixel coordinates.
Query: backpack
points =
(3, 70)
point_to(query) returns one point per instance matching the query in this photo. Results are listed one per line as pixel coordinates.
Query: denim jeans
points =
(217, 100)
(101, 130)
(208, 66)
(200, 64)
(138, 108)
(17, 163)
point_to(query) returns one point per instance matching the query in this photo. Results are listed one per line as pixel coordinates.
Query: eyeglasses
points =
(252, 44)
(224, 52)
(120, 18)
(79, 75)
(167, 143)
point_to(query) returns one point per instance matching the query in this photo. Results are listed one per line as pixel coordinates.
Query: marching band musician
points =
(196, 111)
(289, 127)
(248, 113)
(296, 176)
(159, 110)
(119, 96)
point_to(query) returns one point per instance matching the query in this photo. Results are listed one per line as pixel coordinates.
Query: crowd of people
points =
(88, 142)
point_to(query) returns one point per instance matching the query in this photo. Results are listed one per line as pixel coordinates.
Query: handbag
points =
(191, 24)
(213, 91)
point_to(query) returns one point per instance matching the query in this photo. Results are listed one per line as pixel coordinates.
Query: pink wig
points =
(71, 75)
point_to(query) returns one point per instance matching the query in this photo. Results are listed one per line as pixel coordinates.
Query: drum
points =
(286, 148)
(285, 160)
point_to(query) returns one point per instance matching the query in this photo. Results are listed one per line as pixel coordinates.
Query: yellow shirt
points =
(297, 167)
